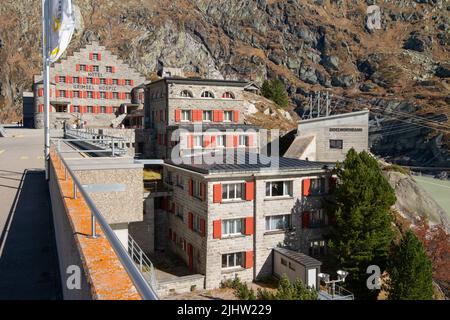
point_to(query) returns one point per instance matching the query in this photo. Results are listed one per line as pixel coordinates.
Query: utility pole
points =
(46, 73)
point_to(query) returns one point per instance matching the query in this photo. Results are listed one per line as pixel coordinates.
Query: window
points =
(228, 95)
(115, 81)
(102, 81)
(278, 188)
(62, 79)
(336, 144)
(89, 109)
(186, 94)
(128, 95)
(317, 218)
(82, 67)
(180, 181)
(207, 115)
(196, 189)
(115, 109)
(196, 223)
(76, 80)
(103, 109)
(128, 82)
(317, 248)
(228, 116)
(232, 191)
(95, 56)
(102, 95)
(221, 141)
(76, 94)
(95, 68)
(232, 227)
(179, 209)
(197, 141)
(207, 94)
(291, 266)
(232, 260)
(243, 140)
(76, 109)
(279, 222)
(109, 69)
(185, 115)
(90, 94)
(115, 95)
(89, 80)
(62, 93)
(317, 186)
(283, 262)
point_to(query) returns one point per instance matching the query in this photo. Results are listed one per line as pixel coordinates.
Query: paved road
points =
(28, 258)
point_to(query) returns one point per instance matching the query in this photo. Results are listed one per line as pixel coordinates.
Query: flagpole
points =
(46, 73)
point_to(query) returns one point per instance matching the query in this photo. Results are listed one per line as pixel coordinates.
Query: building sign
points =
(346, 129)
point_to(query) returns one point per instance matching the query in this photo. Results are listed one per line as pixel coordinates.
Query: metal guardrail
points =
(141, 259)
(106, 143)
(138, 279)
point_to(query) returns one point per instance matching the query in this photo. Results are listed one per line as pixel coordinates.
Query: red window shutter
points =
(306, 187)
(305, 220)
(57, 79)
(57, 93)
(248, 259)
(177, 115)
(78, 67)
(40, 92)
(249, 226)
(202, 227)
(91, 56)
(191, 187)
(332, 183)
(41, 108)
(235, 141)
(114, 69)
(99, 57)
(206, 141)
(197, 115)
(190, 141)
(249, 190)
(203, 191)
(220, 115)
(132, 82)
(217, 229)
(250, 140)
(217, 193)
(236, 116)
(215, 116)
(213, 141)
(191, 220)
(229, 141)
(71, 109)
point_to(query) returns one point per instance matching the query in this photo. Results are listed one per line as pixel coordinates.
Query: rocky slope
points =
(311, 45)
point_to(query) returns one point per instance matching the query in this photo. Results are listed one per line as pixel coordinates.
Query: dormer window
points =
(207, 94)
(228, 95)
(186, 94)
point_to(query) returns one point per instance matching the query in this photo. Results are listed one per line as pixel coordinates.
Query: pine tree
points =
(362, 232)
(410, 271)
(275, 91)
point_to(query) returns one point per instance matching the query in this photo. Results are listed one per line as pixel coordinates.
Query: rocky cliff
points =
(311, 45)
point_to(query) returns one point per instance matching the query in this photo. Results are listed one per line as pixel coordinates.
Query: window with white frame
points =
(95, 56)
(196, 223)
(207, 94)
(89, 81)
(95, 68)
(186, 94)
(62, 79)
(232, 260)
(115, 81)
(317, 218)
(196, 188)
(89, 109)
(109, 69)
(317, 248)
(83, 67)
(228, 95)
(186, 115)
(102, 95)
(317, 186)
(76, 80)
(128, 82)
(232, 191)
(228, 116)
(62, 93)
(232, 227)
(180, 181)
(115, 95)
(102, 81)
(278, 222)
(221, 141)
(90, 94)
(278, 188)
(197, 141)
(76, 109)
(243, 140)
(207, 115)
(76, 94)
(179, 209)
(103, 109)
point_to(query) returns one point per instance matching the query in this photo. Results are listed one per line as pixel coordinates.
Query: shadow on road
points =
(28, 258)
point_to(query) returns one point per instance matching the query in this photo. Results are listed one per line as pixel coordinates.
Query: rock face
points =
(413, 201)
(309, 45)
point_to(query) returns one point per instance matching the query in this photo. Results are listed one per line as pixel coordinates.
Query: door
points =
(312, 278)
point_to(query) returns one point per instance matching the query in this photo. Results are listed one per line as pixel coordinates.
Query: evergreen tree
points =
(410, 271)
(288, 291)
(275, 91)
(362, 230)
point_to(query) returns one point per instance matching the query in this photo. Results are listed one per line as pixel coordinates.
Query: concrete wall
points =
(181, 285)
(352, 128)
(299, 272)
(68, 254)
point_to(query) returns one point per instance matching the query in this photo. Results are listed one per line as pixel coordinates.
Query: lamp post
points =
(326, 279)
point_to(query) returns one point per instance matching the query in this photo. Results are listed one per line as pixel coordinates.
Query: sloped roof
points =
(298, 147)
(299, 257)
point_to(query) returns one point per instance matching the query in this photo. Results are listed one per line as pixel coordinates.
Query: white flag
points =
(62, 25)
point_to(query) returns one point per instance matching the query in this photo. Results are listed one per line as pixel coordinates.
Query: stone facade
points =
(194, 105)
(256, 245)
(90, 85)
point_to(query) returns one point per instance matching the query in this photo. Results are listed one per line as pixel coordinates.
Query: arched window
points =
(228, 95)
(207, 94)
(186, 94)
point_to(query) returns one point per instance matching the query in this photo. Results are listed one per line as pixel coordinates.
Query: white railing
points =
(142, 261)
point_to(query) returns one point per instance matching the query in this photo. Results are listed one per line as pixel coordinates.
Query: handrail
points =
(142, 286)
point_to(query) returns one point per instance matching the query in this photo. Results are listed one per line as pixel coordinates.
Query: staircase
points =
(118, 121)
